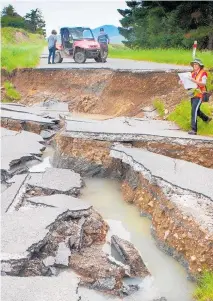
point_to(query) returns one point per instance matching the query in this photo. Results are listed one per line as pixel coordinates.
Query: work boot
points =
(209, 120)
(192, 132)
(49, 63)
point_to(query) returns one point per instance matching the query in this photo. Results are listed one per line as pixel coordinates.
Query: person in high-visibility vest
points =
(199, 76)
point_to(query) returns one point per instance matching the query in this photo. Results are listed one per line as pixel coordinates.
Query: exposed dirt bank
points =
(177, 233)
(96, 153)
(199, 153)
(98, 91)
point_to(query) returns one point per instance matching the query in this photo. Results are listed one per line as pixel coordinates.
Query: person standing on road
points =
(103, 40)
(52, 46)
(199, 76)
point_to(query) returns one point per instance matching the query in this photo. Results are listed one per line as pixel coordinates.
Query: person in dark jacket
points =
(52, 46)
(103, 40)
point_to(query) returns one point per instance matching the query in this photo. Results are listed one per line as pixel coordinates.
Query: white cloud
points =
(73, 13)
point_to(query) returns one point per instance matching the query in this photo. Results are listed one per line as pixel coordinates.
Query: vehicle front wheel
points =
(58, 58)
(80, 57)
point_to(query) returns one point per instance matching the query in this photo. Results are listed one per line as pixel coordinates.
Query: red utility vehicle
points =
(78, 43)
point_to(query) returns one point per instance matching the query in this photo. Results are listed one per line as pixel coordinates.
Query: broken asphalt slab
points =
(63, 287)
(27, 230)
(20, 108)
(18, 147)
(179, 173)
(56, 180)
(189, 185)
(51, 109)
(25, 117)
(129, 129)
(60, 201)
(10, 196)
(130, 256)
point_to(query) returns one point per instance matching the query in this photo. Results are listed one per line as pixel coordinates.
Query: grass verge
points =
(182, 117)
(204, 290)
(20, 49)
(159, 106)
(170, 56)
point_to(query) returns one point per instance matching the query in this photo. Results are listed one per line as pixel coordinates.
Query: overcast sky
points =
(73, 12)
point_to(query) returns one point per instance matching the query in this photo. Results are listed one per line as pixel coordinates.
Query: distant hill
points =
(112, 31)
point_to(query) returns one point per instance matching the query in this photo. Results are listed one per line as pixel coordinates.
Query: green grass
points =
(20, 56)
(182, 117)
(11, 94)
(210, 81)
(171, 56)
(20, 49)
(159, 106)
(204, 291)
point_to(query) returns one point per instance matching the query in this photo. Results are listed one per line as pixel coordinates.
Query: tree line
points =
(32, 21)
(167, 24)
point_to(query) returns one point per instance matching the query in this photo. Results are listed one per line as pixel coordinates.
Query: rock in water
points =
(130, 256)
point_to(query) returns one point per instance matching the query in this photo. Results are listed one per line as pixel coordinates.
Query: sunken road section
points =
(176, 194)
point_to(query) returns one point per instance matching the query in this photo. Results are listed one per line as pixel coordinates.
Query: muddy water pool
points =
(124, 219)
(169, 276)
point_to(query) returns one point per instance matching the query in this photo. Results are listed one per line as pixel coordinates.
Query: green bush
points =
(11, 94)
(204, 291)
(182, 117)
(159, 106)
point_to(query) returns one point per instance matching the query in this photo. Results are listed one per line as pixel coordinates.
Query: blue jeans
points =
(51, 53)
(195, 104)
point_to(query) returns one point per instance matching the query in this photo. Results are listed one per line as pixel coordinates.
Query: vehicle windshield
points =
(81, 33)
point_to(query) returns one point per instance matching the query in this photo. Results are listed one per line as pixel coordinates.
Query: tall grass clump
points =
(159, 106)
(11, 94)
(204, 290)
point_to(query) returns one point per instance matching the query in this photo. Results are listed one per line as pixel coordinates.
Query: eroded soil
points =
(104, 92)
